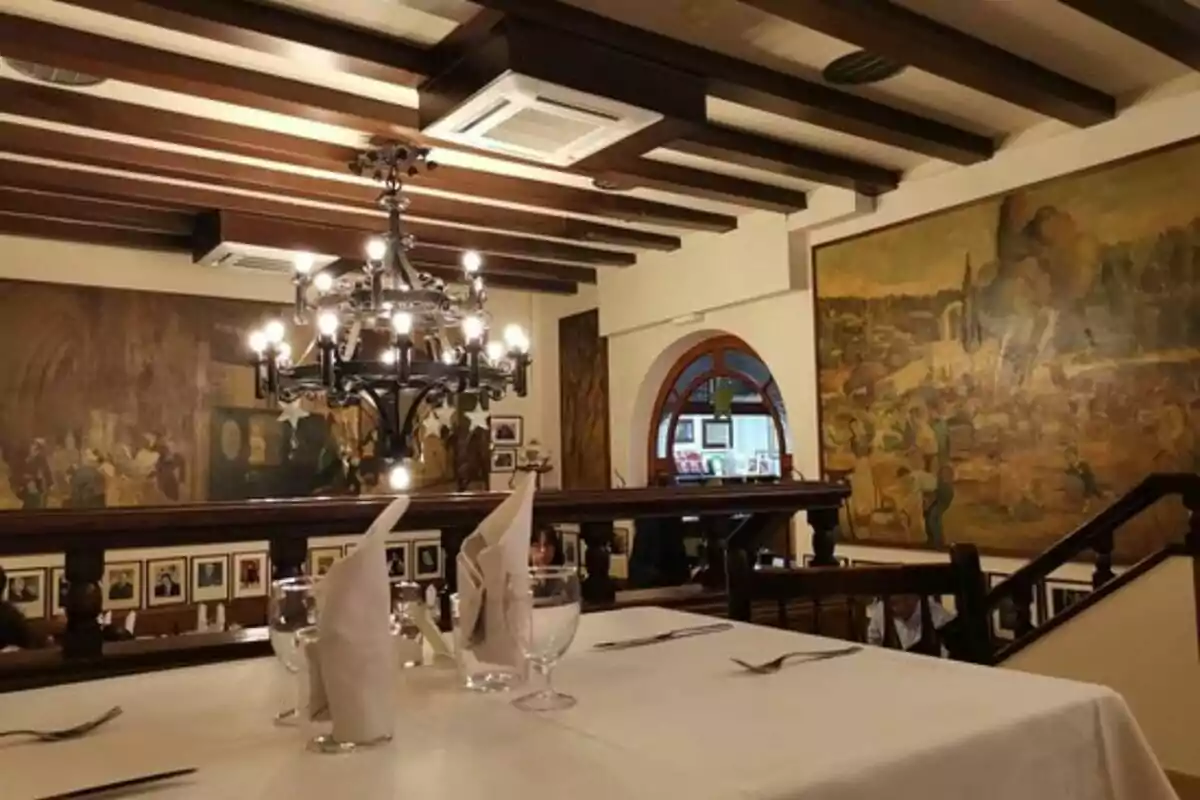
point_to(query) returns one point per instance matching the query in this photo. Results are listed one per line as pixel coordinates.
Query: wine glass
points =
(543, 617)
(292, 605)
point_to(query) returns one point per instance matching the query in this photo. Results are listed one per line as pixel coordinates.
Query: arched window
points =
(719, 414)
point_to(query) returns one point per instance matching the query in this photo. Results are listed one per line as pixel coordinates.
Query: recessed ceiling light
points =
(860, 68)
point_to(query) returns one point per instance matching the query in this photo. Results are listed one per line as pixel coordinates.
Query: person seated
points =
(15, 630)
(545, 548)
(906, 620)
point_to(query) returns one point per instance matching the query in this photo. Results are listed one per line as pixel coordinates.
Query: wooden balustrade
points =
(86, 536)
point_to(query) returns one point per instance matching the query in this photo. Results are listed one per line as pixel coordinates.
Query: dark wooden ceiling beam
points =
(281, 32)
(34, 40)
(782, 158)
(1172, 27)
(31, 141)
(130, 188)
(64, 230)
(88, 111)
(893, 31)
(759, 87)
(647, 173)
(97, 212)
(506, 265)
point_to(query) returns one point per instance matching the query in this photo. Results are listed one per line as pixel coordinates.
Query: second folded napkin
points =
(493, 561)
(354, 667)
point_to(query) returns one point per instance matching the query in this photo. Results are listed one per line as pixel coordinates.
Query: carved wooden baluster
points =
(288, 554)
(1104, 550)
(84, 568)
(598, 586)
(1023, 607)
(452, 540)
(824, 524)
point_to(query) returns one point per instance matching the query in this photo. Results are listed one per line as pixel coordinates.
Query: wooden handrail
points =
(1097, 535)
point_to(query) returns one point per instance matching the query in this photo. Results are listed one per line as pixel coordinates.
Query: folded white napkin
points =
(494, 560)
(353, 663)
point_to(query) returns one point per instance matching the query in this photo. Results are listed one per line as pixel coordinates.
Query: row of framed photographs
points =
(178, 580)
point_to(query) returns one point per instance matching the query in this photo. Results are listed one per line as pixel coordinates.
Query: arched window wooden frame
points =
(662, 469)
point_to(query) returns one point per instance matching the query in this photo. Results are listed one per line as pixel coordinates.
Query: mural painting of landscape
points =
(999, 373)
(115, 398)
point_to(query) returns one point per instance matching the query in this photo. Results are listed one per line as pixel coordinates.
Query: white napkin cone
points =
(493, 561)
(353, 665)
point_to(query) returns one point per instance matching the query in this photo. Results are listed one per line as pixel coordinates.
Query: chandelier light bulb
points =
(327, 323)
(303, 263)
(285, 352)
(472, 328)
(376, 249)
(402, 323)
(258, 341)
(472, 261)
(274, 332)
(399, 478)
(388, 356)
(477, 285)
(495, 351)
(323, 281)
(449, 357)
(515, 338)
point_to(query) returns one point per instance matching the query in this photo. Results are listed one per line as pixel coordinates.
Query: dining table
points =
(672, 719)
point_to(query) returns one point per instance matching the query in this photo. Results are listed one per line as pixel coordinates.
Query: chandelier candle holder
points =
(388, 334)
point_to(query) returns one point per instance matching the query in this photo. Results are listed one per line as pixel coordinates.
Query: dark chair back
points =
(848, 592)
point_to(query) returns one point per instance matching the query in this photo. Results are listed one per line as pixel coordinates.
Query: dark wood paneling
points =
(762, 88)
(904, 36)
(583, 401)
(62, 230)
(77, 108)
(1172, 27)
(82, 209)
(281, 32)
(21, 37)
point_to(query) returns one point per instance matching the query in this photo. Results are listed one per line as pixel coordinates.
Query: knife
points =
(125, 784)
(679, 633)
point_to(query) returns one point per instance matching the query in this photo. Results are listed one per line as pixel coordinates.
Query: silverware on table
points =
(776, 664)
(67, 733)
(129, 783)
(679, 633)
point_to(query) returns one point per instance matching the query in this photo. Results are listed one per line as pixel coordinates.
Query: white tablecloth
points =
(674, 720)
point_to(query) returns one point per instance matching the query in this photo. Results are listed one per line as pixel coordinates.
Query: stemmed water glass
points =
(291, 607)
(543, 617)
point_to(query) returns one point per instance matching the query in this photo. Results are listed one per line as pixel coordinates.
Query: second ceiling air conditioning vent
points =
(532, 119)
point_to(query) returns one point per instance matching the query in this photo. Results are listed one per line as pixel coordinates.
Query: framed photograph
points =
(397, 560)
(507, 431)
(504, 459)
(121, 586)
(320, 559)
(167, 578)
(250, 575)
(717, 434)
(571, 554)
(621, 541)
(1061, 595)
(1004, 618)
(210, 578)
(58, 597)
(427, 559)
(26, 590)
(685, 432)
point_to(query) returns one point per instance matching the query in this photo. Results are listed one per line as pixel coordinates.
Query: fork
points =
(776, 664)
(67, 733)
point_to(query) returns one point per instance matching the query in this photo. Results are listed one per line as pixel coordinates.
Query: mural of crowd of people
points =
(999, 373)
(132, 399)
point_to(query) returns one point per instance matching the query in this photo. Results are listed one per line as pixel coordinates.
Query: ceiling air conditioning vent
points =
(261, 259)
(539, 121)
(55, 75)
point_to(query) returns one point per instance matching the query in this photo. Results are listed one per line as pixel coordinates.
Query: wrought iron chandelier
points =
(388, 334)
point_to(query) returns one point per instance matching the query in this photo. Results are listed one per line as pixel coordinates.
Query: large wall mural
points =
(1000, 372)
(122, 398)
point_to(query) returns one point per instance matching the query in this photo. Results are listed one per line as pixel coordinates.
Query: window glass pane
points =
(740, 361)
(694, 370)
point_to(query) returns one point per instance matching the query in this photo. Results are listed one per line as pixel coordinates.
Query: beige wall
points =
(1142, 642)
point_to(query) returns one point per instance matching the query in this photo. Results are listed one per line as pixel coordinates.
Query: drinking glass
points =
(543, 618)
(292, 606)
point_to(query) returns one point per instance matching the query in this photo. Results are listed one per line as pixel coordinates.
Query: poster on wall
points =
(1001, 372)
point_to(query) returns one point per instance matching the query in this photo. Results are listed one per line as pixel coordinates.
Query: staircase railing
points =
(1095, 537)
